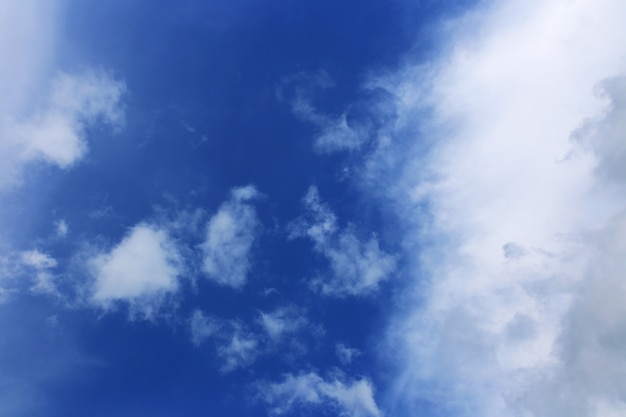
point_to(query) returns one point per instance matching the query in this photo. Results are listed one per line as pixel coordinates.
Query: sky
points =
(345, 208)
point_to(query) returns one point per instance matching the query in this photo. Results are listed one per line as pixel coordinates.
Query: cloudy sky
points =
(335, 208)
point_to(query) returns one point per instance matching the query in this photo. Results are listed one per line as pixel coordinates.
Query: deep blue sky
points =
(282, 208)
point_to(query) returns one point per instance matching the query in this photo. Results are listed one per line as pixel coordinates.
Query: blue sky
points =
(361, 209)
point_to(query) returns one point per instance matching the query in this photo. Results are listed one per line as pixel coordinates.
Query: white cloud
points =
(588, 377)
(505, 163)
(231, 233)
(44, 112)
(357, 267)
(143, 270)
(351, 398)
(238, 349)
(54, 131)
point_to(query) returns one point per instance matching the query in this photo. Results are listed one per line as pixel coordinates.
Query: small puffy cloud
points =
(230, 235)
(142, 270)
(350, 398)
(357, 266)
(38, 260)
(54, 130)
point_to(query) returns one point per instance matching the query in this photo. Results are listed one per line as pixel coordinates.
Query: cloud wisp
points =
(334, 132)
(350, 398)
(238, 345)
(356, 267)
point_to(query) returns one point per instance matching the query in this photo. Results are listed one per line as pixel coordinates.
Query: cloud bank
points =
(505, 165)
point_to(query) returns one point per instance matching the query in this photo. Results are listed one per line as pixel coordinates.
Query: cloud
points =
(143, 270)
(235, 345)
(42, 263)
(346, 354)
(588, 377)
(357, 267)
(238, 345)
(62, 228)
(504, 165)
(239, 349)
(202, 327)
(282, 322)
(334, 133)
(351, 398)
(54, 130)
(231, 233)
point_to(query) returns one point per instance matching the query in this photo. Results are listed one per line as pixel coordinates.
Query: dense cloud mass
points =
(520, 193)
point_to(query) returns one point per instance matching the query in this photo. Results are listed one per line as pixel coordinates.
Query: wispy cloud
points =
(357, 267)
(334, 132)
(351, 398)
(231, 233)
(42, 264)
(239, 344)
(236, 345)
(143, 271)
(62, 229)
(505, 167)
(202, 327)
(346, 354)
